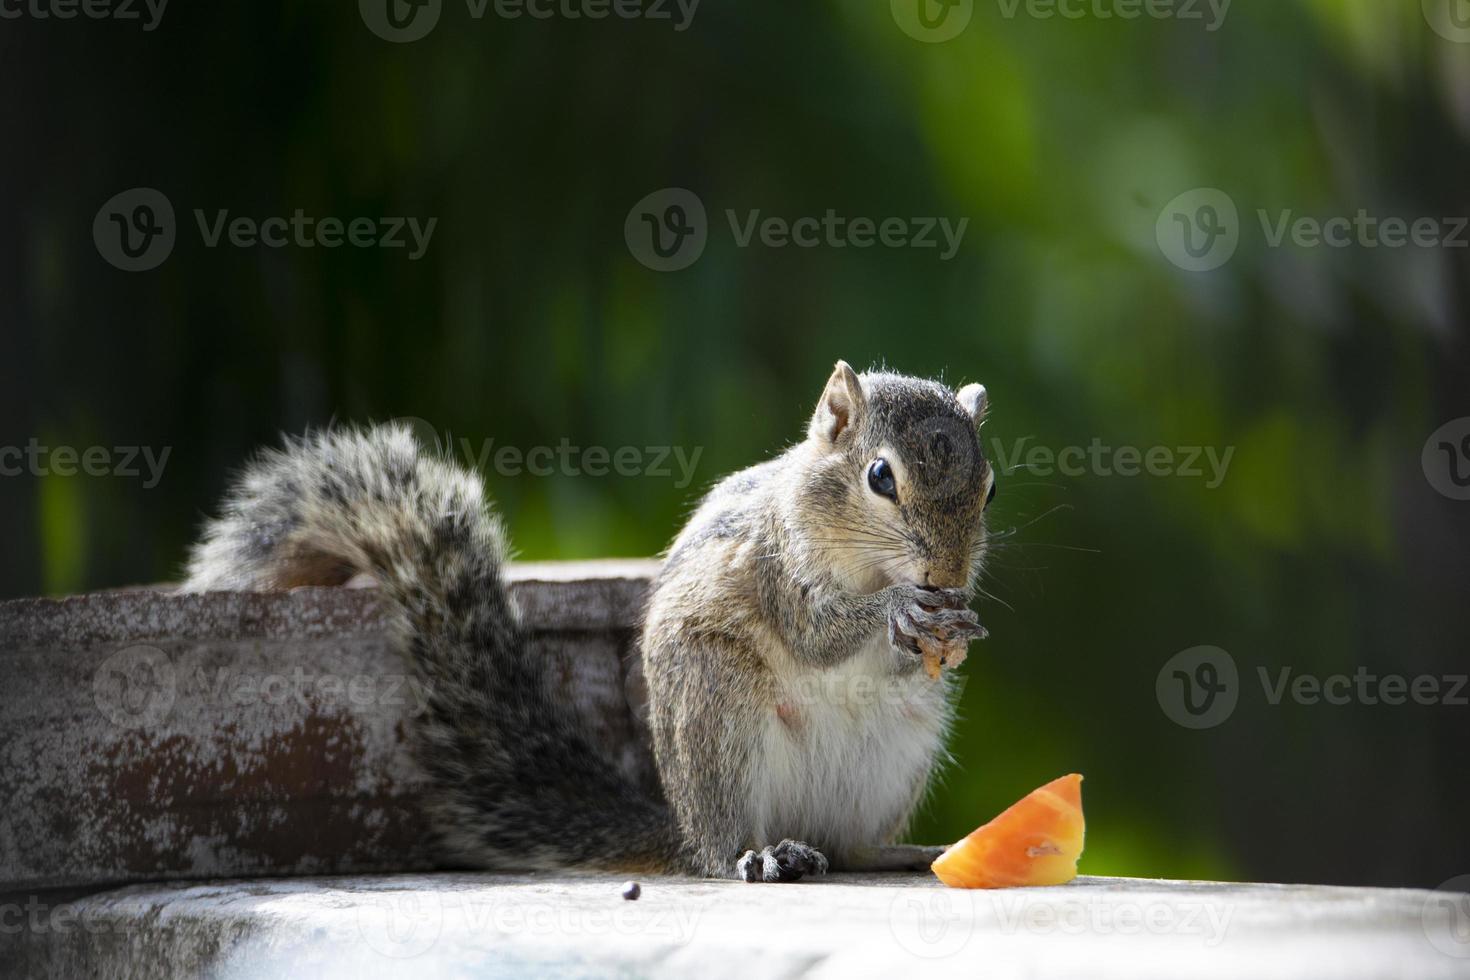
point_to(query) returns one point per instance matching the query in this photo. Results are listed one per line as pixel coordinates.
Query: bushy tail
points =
(516, 784)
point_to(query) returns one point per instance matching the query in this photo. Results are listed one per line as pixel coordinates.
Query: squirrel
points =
(785, 639)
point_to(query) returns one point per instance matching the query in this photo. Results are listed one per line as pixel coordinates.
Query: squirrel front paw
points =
(789, 860)
(936, 625)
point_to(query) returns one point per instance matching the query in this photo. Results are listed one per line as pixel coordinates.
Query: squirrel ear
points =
(841, 406)
(974, 400)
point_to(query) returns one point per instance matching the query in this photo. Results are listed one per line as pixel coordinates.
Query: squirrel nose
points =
(945, 578)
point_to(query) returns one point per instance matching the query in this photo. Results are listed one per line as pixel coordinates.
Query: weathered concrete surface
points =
(841, 926)
(146, 735)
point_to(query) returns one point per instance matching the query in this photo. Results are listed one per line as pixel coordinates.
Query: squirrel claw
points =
(936, 634)
(936, 598)
(789, 860)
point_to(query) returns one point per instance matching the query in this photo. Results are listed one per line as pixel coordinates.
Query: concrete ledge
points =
(147, 735)
(840, 926)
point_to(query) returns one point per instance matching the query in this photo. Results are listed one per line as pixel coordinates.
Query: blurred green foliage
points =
(529, 321)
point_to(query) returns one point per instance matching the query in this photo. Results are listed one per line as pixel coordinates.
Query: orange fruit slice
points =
(1034, 842)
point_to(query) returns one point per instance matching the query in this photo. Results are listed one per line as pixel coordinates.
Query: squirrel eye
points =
(990, 495)
(880, 479)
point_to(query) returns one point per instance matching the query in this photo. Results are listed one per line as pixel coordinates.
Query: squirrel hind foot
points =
(789, 860)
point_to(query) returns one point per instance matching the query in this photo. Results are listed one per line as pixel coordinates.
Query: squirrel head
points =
(898, 481)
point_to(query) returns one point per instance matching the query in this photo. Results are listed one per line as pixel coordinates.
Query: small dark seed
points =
(632, 890)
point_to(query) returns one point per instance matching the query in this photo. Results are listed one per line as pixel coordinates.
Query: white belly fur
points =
(844, 757)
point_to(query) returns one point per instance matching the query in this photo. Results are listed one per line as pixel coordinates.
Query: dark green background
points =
(528, 321)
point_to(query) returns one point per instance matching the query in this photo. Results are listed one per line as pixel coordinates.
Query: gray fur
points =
(781, 645)
(786, 699)
(517, 785)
